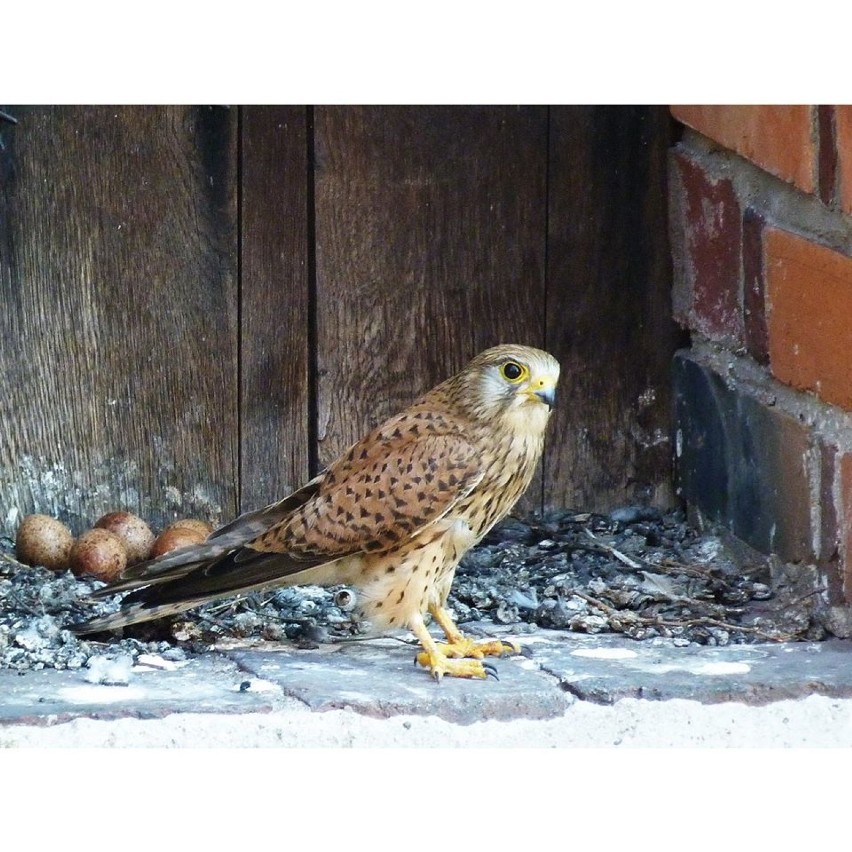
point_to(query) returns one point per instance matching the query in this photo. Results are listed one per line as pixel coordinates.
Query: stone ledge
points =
(370, 693)
(606, 669)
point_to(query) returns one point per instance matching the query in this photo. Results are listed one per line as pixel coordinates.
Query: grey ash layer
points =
(636, 571)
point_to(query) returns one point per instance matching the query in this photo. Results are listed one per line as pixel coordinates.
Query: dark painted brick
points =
(845, 523)
(709, 218)
(829, 539)
(826, 154)
(701, 443)
(754, 292)
(742, 463)
(843, 139)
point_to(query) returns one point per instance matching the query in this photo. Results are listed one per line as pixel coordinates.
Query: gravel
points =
(637, 571)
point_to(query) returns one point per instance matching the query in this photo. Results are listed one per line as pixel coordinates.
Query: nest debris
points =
(637, 571)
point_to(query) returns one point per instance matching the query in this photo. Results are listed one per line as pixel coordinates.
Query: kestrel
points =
(391, 518)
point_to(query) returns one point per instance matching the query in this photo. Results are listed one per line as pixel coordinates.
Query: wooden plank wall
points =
(201, 306)
(430, 247)
(118, 312)
(275, 320)
(608, 306)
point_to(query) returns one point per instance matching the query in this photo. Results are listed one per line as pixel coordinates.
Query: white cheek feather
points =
(491, 386)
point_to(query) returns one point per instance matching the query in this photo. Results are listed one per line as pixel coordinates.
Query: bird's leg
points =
(434, 658)
(459, 645)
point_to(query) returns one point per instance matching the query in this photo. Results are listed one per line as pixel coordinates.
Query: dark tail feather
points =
(220, 567)
(229, 575)
(131, 614)
(236, 572)
(231, 537)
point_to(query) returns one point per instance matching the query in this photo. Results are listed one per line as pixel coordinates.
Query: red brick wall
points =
(843, 134)
(778, 139)
(761, 227)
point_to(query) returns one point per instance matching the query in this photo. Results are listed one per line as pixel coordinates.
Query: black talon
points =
(518, 648)
(490, 671)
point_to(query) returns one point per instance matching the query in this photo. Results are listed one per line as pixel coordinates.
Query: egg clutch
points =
(117, 540)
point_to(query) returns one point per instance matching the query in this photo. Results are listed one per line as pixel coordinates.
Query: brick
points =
(778, 139)
(771, 464)
(743, 463)
(835, 512)
(754, 296)
(845, 524)
(708, 292)
(826, 154)
(830, 519)
(809, 316)
(843, 137)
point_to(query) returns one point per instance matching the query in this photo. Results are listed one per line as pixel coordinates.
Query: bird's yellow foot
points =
(462, 646)
(440, 665)
(462, 657)
(459, 645)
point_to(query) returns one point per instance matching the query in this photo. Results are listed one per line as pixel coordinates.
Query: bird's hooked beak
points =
(543, 390)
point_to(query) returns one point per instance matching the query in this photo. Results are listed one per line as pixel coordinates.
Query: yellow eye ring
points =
(514, 372)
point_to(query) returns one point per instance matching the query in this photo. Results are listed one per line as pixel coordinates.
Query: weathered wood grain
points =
(145, 365)
(118, 320)
(275, 320)
(430, 239)
(608, 306)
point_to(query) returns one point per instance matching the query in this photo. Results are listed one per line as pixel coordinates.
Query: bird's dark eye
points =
(512, 371)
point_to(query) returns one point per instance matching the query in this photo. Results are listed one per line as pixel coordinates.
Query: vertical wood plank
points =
(117, 327)
(430, 228)
(275, 322)
(118, 332)
(609, 312)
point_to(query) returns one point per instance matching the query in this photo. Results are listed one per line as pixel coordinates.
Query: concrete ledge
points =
(814, 722)
(572, 690)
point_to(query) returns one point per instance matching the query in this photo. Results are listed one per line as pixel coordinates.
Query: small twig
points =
(700, 621)
(671, 566)
(597, 603)
(373, 637)
(5, 557)
(16, 600)
(802, 598)
(5, 116)
(215, 609)
(621, 557)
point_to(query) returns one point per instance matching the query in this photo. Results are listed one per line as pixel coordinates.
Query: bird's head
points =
(511, 382)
